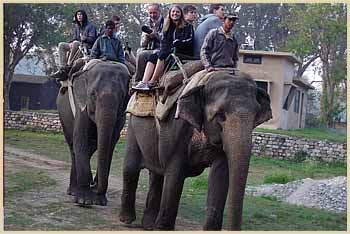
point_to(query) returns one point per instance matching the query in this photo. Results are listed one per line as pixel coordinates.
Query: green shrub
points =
(278, 178)
(300, 156)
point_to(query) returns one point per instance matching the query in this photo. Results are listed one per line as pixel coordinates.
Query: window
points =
(289, 98)
(25, 103)
(297, 101)
(253, 59)
(263, 85)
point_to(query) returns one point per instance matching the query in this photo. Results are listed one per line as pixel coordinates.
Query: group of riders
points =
(211, 41)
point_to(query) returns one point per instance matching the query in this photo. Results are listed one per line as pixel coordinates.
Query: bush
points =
(278, 178)
(300, 156)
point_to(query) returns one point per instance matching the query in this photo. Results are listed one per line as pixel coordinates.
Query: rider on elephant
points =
(210, 21)
(177, 35)
(84, 33)
(220, 47)
(108, 46)
(150, 39)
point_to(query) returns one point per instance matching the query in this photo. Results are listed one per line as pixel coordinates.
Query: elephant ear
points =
(80, 91)
(190, 107)
(264, 113)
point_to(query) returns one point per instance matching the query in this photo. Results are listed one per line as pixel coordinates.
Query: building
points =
(32, 92)
(275, 72)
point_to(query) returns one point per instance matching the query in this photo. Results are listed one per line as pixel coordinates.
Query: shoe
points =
(60, 75)
(152, 85)
(141, 86)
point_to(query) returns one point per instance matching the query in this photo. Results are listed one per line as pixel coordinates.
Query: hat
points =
(233, 16)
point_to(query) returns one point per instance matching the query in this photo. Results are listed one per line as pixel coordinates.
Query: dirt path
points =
(16, 159)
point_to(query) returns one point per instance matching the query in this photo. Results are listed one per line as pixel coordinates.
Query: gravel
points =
(328, 194)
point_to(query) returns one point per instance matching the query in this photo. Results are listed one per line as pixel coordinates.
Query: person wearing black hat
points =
(84, 33)
(220, 47)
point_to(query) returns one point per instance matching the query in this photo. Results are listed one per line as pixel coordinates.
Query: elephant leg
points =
(82, 151)
(172, 189)
(101, 188)
(131, 172)
(72, 188)
(217, 192)
(154, 197)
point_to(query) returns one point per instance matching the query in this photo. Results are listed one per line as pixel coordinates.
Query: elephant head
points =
(227, 108)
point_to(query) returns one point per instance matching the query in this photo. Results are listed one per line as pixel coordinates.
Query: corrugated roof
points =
(288, 55)
(33, 79)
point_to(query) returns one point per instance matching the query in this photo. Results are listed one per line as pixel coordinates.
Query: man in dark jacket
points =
(208, 22)
(108, 46)
(83, 33)
(220, 48)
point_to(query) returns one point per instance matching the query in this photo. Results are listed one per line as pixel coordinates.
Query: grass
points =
(260, 213)
(25, 180)
(309, 133)
(264, 213)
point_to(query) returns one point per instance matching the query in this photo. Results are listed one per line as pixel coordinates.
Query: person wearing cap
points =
(220, 47)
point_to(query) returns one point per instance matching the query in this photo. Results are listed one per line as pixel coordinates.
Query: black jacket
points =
(181, 39)
(87, 29)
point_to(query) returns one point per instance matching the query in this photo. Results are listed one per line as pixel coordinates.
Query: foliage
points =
(319, 31)
(309, 133)
(263, 22)
(278, 178)
(25, 27)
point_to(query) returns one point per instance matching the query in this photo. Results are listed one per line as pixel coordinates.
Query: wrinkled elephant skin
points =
(101, 95)
(226, 109)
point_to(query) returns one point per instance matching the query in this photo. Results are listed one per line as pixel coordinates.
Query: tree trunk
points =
(7, 86)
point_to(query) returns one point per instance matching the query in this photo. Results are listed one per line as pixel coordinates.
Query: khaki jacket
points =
(219, 49)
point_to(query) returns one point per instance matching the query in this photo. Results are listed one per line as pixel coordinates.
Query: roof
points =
(259, 74)
(291, 57)
(32, 79)
(302, 83)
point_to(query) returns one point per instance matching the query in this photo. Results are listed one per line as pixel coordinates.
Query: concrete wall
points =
(276, 146)
(279, 71)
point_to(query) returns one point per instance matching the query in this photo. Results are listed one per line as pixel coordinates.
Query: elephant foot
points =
(127, 216)
(71, 191)
(148, 220)
(84, 198)
(213, 220)
(101, 200)
(164, 228)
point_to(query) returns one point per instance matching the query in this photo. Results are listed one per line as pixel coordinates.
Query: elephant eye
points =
(220, 116)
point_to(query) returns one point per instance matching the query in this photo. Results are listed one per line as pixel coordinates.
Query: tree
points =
(263, 22)
(22, 34)
(319, 31)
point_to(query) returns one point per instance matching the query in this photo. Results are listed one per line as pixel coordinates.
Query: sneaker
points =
(141, 86)
(60, 75)
(152, 85)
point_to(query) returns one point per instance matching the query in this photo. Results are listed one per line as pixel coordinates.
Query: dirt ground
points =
(16, 160)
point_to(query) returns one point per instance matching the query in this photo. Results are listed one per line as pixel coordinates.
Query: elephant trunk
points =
(237, 143)
(106, 119)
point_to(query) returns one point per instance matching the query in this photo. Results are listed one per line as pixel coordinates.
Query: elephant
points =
(101, 96)
(213, 129)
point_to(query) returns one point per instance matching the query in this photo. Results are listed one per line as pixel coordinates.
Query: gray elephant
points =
(225, 111)
(101, 96)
